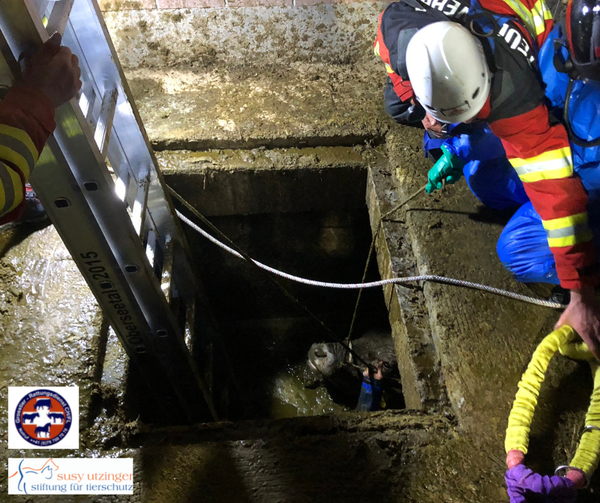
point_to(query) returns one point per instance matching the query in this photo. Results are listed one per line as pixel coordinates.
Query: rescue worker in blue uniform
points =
(572, 76)
(537, 147)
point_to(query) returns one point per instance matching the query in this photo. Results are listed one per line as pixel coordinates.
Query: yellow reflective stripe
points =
(8, 154)
(376, 49)
(534, 19)
(540, 13)
(11, 189)
(560, 153)
(547, 166)
(567, 231)
(570, 221)
(552, 170)
(23, 137)
(570, 240)
(542, 10)
(524, 13)
(546, 175)
(388, 68)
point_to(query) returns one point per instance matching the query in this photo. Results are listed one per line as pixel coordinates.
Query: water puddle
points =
(291, 399)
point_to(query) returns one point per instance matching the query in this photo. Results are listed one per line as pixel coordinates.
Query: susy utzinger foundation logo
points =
(70, 476)
(42, 418)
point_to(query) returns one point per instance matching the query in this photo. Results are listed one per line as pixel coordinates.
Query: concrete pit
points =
(311, 222)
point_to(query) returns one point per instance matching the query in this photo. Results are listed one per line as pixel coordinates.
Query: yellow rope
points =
(588, 453)
(521, 415)
(576, 351)
(587, 456)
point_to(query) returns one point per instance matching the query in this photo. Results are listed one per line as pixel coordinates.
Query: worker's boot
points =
(560, 295)
(34, 211)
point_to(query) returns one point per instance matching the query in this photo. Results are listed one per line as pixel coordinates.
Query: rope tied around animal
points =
(522, 483)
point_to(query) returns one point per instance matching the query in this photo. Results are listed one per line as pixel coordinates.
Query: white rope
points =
(356, 286)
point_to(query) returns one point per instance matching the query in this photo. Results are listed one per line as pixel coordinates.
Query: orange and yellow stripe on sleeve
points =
(555, 165)
(535, 15)
(567, 231)
(18, 155)
(551, 165)
(541, 156)
(26, 120)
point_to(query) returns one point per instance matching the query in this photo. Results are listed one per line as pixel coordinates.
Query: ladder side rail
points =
(77, 227)
(77, 143)
(91, 33)
(84, 159)
(115, 224)
(183, 272)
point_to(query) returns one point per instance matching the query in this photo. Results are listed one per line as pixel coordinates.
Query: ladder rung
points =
(126, 188)
(59, 16)
(151, 247)
(167, 269)
(105, 121)
(122, 184)
(87, 100)
(138, 210)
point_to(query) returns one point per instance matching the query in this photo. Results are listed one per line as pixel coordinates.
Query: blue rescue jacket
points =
(584, 110)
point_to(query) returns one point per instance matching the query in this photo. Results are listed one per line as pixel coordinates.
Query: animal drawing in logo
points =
(43, 417)
(34, 476)
(29, 418)
(57, 417)
(43, 431)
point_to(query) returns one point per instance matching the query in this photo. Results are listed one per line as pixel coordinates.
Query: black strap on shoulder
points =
(433, 15)
(419, 6)
(403, 40)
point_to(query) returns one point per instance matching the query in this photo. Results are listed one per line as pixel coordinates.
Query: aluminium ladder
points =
(99, 182)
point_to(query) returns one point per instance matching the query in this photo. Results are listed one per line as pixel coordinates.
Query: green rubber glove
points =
(448, 169)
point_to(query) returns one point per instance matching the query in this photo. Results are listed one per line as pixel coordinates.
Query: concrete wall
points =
(116, 5)
(247, 36)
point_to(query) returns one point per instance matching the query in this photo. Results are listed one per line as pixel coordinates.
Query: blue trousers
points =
(523, 246)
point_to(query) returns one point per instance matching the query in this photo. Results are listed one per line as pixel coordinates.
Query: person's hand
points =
(54, 70)
(583, 315)
(378, 374)
(432, 126)
(447, 169)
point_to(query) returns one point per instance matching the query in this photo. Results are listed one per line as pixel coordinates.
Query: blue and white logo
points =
(43, 418)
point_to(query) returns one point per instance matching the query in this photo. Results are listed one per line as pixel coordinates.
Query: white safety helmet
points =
(448, 71)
